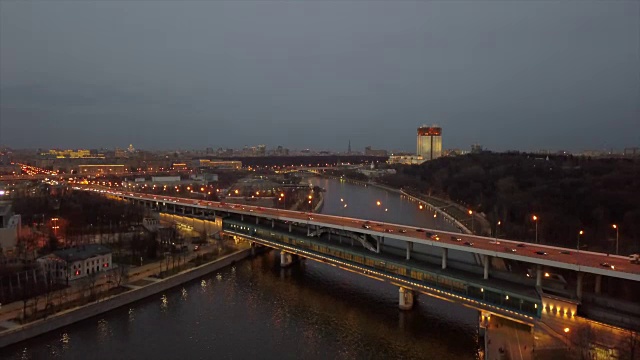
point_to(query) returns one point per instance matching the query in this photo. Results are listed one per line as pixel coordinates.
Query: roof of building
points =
(82, 252)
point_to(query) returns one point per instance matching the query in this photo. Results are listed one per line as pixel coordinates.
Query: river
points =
(255, 310)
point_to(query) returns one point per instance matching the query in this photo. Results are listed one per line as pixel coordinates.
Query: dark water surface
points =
(255, 310)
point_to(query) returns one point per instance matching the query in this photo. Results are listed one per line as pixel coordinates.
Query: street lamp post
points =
(617, 236)
(580, 233)
(535, 219)
(471, 214)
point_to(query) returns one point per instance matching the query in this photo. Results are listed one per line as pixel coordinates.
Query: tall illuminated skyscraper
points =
(430, 142)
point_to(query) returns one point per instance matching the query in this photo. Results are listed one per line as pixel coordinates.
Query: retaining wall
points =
(68, 317)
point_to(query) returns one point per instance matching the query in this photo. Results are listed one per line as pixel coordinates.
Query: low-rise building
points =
(219, 164)
(406, 159)
(77, 262)
(101, 169)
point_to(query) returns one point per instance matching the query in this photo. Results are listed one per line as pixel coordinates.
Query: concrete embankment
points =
(39, 327)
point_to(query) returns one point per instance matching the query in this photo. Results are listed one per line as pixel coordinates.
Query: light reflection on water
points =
(255, 309)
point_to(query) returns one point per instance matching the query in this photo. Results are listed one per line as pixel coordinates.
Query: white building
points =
(77, 262)
(406, 159)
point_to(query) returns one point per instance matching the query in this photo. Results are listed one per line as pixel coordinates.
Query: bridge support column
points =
(289, 227)
(241, 217)
(598, 284)
(253, 249)
(445, 253)
(184, 209)
(579, 285)
(378, 246)
(409, 248)
(405, 299)
(285, 259)
(487, 261)
(273, 223)
(538, 276)
(257, 220)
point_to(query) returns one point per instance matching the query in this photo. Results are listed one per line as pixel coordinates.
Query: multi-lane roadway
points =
(573, 259)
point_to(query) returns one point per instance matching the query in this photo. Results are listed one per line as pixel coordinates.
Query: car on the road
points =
(521, 245)
(250, 210)
(540, 252)
(468, 243)
(403, 231)
(365, 226)
(509, 249)
(435, 237)
(607, 265)
(196, 248)
(310, 218)
(388, 230)
(456, 238)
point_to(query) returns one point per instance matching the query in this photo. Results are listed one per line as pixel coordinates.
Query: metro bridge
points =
(404, 256)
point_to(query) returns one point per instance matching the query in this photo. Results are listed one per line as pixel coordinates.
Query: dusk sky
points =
(523, 75)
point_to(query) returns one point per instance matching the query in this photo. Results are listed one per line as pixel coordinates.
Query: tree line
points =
(566, 193)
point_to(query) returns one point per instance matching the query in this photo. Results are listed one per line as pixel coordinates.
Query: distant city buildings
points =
(429, 142)
(476, 148)
(368, 151)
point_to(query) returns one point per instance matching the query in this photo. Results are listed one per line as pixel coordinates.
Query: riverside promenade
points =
(139, 286)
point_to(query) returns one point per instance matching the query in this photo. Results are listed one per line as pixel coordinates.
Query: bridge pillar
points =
(445, 253)
(273, 223)
(579, 285)
(184, 209)
(241, 217)
(598, 284)
(487, 260)
(285, 259)
(538, 276)
(405, 299)
(253, 249)
(257, 220)
(409, 248)
(378, 246)
(289, 227)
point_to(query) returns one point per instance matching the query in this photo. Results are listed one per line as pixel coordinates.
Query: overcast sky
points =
(521, 75)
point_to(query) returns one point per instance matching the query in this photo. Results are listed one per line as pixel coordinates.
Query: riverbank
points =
(137, 292)
(436, 205)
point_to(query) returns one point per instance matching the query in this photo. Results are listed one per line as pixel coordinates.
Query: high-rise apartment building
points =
(429, 142)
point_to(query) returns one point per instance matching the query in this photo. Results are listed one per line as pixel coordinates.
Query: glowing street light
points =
(580, 233)
(617, 236)
(471, 214)
(378, 203)
(420, 207)
(535, 219)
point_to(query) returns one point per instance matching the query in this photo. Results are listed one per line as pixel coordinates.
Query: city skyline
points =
(269, 73)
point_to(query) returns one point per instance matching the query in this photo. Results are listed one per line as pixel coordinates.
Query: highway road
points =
(590, 262)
